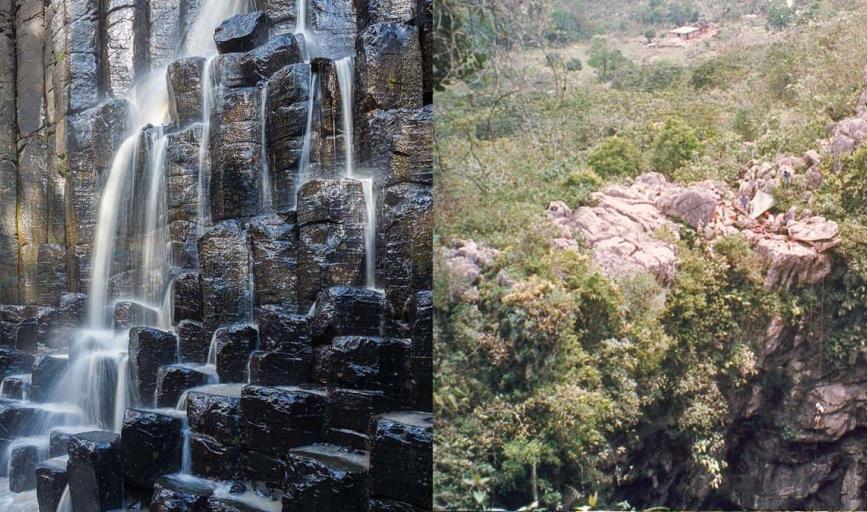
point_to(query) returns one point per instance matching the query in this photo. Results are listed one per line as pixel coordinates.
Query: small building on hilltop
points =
(688, 32)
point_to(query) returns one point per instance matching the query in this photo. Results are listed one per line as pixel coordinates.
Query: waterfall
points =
(65, 504)
(156, 255)
(304, 158)
(267, 200)
(344, 69)
(106, 230)
(209, 86)
(345, 72)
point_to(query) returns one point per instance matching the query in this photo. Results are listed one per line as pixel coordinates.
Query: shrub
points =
(745, 125)
(673, 146)
(780, 15)
(605, 59)
(615, 156)
(574, 64)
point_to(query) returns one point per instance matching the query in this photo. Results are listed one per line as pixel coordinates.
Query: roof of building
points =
(684, 30)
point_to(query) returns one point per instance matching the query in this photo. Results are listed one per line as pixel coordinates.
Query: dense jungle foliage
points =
(544, 389)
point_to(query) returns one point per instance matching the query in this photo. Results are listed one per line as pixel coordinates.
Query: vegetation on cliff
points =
(556, 385)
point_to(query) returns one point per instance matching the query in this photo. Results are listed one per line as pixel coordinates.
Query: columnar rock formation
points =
(251, 256)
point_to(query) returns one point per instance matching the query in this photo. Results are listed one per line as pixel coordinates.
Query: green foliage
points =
(615, 156)
(745, 125)
(851, 182)
(673, 146)
(780, 15)
(605, 58)
(569, 23)
(574, 64)
(708, 75)
(650, 35)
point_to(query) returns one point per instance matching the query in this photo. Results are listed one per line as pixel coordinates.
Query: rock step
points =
(174, 379)
(22, 419)
(326, 477)
(59, 438)
(16, 387)
(94, 471)
(176, 492)
(401, 457)
(20, 459)
(50, 482)
(47, 370)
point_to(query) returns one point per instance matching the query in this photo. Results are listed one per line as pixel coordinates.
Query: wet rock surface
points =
(234, 346)
(326, 476)
(277, 419)
(16, 387)
(47, 370)
(278, 369)
(50, 482)
(224, 254)
(215, 411)
(173, 380)
(242, 32)
(177, 494)
(150, 445)
(22, 468)
(360, 362)
(94, 471)
(401, 457)
(193, 345)
(331, 216)
(185, 90)
(210, 458)
(149, 349)
(281, 329)
(343, 311)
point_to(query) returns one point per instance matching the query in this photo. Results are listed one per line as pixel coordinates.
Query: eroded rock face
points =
(242, 32)
(149, 349)
(277, 419)
(185, 90)
(224, 254)
(401, 457)
(326, 476)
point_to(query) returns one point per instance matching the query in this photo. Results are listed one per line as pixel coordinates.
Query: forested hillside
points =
(651, 274)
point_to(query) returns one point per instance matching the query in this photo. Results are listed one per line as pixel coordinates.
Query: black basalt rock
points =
(193, 345)
(401, 457)
(16, 387)
(278, 369)
(22, 467)
(187, 297)
(215, 411)
(47, 370)
(352, 408)
(326, 477)
(281, 329)
(149, 349)
(278, 52)
(400, 143)
(224, 255)
(174, 379)
(360, 362)
(242, 32)
(234, 346)
(331, 218)
(274, 242)
(210, 458)
(129, 314)
(276, 419)
(386, 505)
(50, 483)
(58, 442)
(27, 336)
(150, 445)
(94, 471)
(391, 67)
(347, 311)
(14, 362)
(185, 90)
(268, 469)
(177, 494)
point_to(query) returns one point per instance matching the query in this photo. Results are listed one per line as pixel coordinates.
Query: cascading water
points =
(265, 174)
(209, 87)
(345, 70)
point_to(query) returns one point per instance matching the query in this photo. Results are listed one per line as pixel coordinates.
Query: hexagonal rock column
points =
(234, 346)
(47, 369)
(129, 314)
(274, 241)
(213, 414)
(50, 482)
(390, 67)
(326, 477)
(193, 345)
(277, 419)
(225, 258)
(360, 362)
(331, 219)
(22, 467)
(149, 349)
(241, 32)
(288, 94)
(401, 457)
(421, 354)
(214, 459)
(176, 494)
(16, 387)
(346, 311)
(94, 471)
(151, 445)
(185, 90)
(278, 369)
(174, 379)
